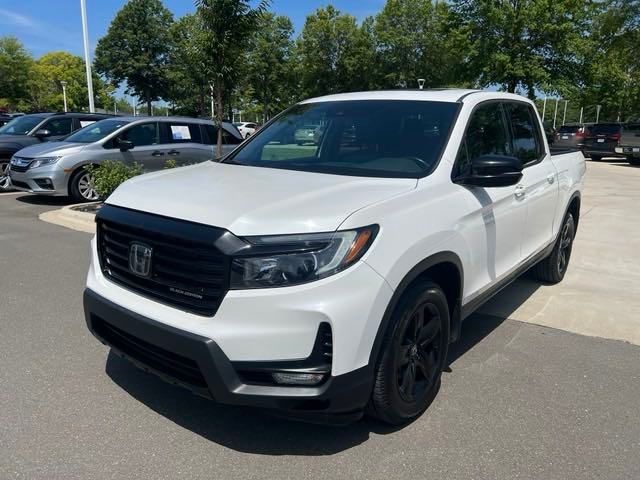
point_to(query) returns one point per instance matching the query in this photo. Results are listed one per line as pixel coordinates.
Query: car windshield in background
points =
(95, 131)
(605, 129)
(381, 138)
(21, 125)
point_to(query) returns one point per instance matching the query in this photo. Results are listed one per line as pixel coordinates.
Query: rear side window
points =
(486, 134)
(527, 145)
(211, 136)
(183, 133)
(633, 127)
(59, 126)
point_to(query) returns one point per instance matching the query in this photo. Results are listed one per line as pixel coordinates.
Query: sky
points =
(47, 25)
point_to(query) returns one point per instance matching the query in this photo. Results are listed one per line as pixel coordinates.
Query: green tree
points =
(334, 53)
(15, 68)
(415, 39)
(228, 25)
(525, 44)
(45, 89)
(135, 49)
(270, 65)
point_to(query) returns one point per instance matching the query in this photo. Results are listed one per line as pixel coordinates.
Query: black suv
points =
(601, 140)
(28, 130)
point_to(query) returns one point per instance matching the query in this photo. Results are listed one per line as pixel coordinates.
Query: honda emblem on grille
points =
(140, 259)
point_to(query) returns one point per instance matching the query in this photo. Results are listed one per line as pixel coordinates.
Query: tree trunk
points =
(219, 117)
(511, 85)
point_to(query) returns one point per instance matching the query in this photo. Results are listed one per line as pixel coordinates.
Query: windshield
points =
(21, 125)
(95, 131)
(381, 138)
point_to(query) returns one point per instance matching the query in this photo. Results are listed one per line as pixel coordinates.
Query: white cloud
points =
(8, 17)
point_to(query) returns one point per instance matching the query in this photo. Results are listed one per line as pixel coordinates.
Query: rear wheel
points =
(596, 158)
(414, 352)
(553, 268)
(81, 187)
(5, 183)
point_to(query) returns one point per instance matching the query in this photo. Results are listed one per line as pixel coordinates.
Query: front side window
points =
(59, 126)
(142, 135)
(486, 134)
(381, 138)
(526, 139)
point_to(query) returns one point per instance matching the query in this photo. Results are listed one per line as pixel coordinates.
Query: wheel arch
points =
(445, 269)
(75, 171)
(574, 207)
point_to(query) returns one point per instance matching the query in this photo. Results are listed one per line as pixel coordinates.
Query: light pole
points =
(64, 93)
(598, 108)
(87, 62)
(544, 107)
(212, 106)
(556, 112)
(564, 116)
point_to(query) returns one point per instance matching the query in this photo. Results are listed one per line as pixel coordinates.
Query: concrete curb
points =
(69, 218)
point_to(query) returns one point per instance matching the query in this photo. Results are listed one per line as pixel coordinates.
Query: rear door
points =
(210, 140)
(183, 143)
(538, 188)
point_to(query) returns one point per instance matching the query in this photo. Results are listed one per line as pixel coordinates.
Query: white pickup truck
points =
(328, 279)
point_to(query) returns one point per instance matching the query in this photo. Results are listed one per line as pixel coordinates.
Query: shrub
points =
(171, 163)
(110, 174)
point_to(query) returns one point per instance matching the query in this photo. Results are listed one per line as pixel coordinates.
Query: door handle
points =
(157, 153)
(173, 152)
(520, 191)
(551, 178)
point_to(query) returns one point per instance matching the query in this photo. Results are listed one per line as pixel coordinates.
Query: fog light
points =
(295, 378)
(44, 183)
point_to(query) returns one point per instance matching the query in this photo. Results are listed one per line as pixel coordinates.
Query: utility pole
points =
(87, 61)
(555, 114)
(598, 108)
(581, 111)
(564, 116)
(64, 93)
(544, 107)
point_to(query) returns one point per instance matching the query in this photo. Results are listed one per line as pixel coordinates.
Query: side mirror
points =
(493, 171)
(125, 145)
(42, 133)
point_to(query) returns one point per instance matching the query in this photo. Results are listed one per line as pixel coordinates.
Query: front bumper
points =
(199, 364)
(628, 151)
(49, 180)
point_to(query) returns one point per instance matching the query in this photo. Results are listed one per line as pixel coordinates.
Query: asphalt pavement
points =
(520, 400)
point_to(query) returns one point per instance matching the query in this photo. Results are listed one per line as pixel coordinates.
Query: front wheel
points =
(81, 187)
(5, 183)
(553, 268)
(414, 352)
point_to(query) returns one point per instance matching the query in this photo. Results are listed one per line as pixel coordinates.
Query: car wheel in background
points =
(553, 268)
(595, 158)
(634, 160)
(5, 183)
(413, 355)
(81, 187)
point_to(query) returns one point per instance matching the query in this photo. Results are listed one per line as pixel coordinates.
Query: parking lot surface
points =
(521, 399)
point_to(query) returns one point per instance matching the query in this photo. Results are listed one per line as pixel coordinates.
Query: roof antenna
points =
(421, 82)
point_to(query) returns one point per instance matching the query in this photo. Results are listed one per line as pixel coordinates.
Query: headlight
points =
(284, 260)
(42, 161)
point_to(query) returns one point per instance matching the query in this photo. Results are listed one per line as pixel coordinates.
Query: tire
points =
(634, 161)
(5, 184)
(81, 187)
(408, 373)
(553, 268)
(595, 158)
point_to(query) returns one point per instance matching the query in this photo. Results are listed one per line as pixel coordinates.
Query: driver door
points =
(493, 227)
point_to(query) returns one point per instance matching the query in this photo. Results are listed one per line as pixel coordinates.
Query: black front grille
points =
(18, 168)
(163, 361)
(187, 271)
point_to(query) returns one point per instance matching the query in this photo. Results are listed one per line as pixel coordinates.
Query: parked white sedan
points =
(246, 129)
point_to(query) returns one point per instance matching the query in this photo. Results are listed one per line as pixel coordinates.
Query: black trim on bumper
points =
(197, 363)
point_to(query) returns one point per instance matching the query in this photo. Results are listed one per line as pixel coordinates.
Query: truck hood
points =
(51, 148)
(255, 201)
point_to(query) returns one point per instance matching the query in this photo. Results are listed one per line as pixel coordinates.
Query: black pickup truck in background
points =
(629, 144)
